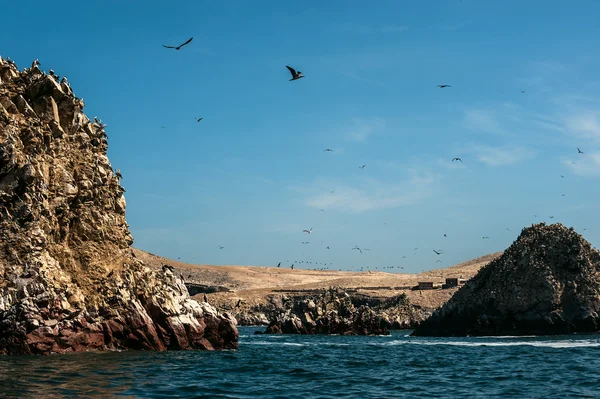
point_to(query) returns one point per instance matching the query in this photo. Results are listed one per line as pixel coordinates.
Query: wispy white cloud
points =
(587, 164)
(364, 128)
(584, 124)
(369, 194)
(499, 156)
(483, 120)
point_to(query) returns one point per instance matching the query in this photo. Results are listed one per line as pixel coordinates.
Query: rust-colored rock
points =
(68, 279)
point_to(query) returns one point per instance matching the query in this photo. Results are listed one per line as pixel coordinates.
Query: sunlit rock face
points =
(68, 278)
(546, 282)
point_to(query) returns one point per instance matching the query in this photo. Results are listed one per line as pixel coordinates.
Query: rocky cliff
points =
(546, 282)
(68, 278)
(334, 312)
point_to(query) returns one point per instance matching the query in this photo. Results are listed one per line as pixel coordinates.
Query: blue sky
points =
(252, 174)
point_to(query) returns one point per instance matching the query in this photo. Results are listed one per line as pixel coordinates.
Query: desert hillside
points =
(253, 283)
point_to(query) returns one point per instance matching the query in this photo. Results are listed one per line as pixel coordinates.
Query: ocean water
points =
(296, 366)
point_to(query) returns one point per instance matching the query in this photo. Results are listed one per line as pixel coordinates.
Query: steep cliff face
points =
(68, 279)
(547, 282)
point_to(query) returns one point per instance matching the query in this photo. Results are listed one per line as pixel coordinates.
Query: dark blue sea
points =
(295, 366)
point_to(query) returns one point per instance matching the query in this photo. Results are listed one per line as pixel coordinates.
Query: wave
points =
(541, 344)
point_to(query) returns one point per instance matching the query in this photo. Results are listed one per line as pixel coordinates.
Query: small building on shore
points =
(425, 285)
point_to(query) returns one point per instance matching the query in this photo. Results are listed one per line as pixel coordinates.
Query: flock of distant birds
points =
(298, 75)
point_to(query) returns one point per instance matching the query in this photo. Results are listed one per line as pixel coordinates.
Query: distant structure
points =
(425, 285)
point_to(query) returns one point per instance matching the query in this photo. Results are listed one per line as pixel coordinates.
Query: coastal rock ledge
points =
(68, 278)
(334, 313)
(546, 283)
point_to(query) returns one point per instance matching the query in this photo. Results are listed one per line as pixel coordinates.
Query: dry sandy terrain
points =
(253, 283)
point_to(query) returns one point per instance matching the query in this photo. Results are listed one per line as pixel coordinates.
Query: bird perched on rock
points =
(295, 75)
(205, 298)
(180, 46)
(118, 174)
(239, 303)
(35, 63)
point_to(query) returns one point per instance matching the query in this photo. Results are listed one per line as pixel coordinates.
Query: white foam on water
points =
(540, 344)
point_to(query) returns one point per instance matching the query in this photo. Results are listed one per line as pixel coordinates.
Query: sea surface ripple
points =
(301, 366)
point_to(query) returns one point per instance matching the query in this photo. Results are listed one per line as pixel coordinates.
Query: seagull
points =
(437, 253)
(508, 229)
(456, 159)
(438, 261)
(404, 257)
(562, 176)
(180, 46)
(485, 238)
(445, 235)
(220, 247)
(579, 151)
(307, 231)
(551, 217)
(327, 150)
(443, 86)
(198, 119)
(118, 174)
(295, 75)
(359, 250)
(327, 247)
(522, 91)
(362, 167)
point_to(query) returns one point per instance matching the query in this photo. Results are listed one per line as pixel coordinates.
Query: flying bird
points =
(362, 167)
(579, 151)
(445, 235)
(295, 75)
(443, 86)
(562, 176)
(485, 238)
(180, 46)
(359, 250)
(456, 159)
(551, 217)
(327, 150)
(279, 264)
(198, 119)
(437, 253)
(307, 231)
(522, 91)
(220, 247)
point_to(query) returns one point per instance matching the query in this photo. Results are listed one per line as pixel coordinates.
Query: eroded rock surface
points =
(546, 282)
(68, 278)
(333, 312)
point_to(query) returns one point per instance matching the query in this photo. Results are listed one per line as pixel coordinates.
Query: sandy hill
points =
(253, 283)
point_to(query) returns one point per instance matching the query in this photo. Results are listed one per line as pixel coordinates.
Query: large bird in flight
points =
(307, 231)
(579, 151)
(456, 159)
(198, 119)
(437, 252)
(180, 46)
(295, 75)
(443, 86)
(359, 250)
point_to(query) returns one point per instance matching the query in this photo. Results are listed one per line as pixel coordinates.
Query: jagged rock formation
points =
(334, 313)
(68, 278)
(546, 282)
(395, 312)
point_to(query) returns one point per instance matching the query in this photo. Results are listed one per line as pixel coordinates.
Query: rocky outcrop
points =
(68, 278)
(546, 282)
(333, 312)
(395, 312)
